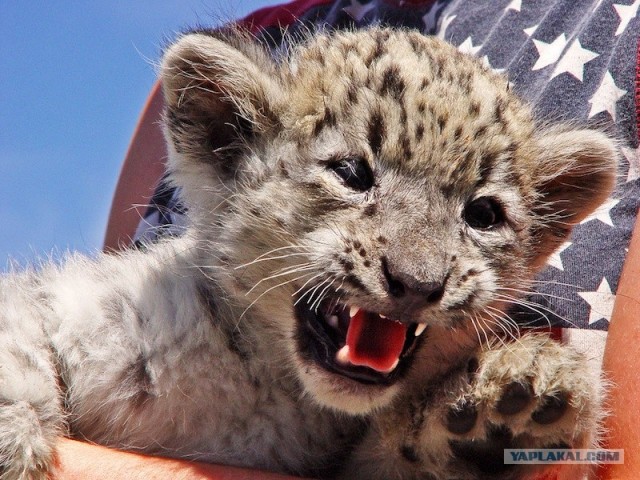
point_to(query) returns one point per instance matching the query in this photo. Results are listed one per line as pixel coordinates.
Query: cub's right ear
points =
(220, 89)
(575, 172)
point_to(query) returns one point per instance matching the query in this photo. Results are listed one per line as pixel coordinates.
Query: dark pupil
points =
(483, 213)
(354, 172)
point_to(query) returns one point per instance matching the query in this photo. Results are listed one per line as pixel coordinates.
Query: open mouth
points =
(361, 345)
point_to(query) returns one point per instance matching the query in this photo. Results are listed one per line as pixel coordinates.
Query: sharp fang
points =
(421, 328)
(342, 357)
(353, 311)
(382, 316)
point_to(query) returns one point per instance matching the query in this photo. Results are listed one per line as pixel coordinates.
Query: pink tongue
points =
(375, 342)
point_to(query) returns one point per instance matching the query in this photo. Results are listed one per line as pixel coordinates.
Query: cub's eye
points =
(354, 173)
(483, 213)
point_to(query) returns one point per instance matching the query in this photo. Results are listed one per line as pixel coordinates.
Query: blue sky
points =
(74, 76)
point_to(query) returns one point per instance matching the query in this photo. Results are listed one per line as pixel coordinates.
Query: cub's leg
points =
(529, 393)
(30, 402)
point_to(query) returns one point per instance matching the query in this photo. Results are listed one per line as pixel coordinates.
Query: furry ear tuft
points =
(220, 89)
(576, 172)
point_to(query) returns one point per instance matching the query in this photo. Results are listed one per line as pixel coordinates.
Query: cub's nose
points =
(408, 289)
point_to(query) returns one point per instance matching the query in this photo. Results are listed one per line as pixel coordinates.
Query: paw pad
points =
(485, 455)
(551, 410)
(409, 453)
(515, 398)
(462, 418)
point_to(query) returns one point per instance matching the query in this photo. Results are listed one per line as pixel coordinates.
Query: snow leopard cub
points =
(360, 206)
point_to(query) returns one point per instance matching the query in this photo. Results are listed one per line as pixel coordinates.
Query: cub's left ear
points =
(576, 172)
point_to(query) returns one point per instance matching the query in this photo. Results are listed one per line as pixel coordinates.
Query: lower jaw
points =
(344, 394)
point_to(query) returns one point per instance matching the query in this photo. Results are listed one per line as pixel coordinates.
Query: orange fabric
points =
(621, 359)
(142, 168)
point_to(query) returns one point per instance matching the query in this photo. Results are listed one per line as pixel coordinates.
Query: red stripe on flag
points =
(280, 15)
(411, 3)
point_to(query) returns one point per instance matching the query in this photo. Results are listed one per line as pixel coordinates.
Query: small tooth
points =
(333, 321)
(353, 311)
(382, 316)
(342, 357)
(421, 328)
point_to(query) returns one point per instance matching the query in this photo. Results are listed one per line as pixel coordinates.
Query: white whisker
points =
(475, 326)
(303, 287)
(269, 290)
(535, 292)
(264, 258)
(322, 294)
(290, 271)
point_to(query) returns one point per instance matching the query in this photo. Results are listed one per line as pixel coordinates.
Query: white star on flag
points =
(468, 47)
(531, 30)
(626, 14)
(555, 260)
(603, 213)
(600, 302)
(357, 10)
(606, 97)
(515, 5)
(485, 61)
(573, 61)
(446, 21)
(549, 53)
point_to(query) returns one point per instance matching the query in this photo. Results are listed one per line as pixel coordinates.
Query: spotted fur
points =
(354, 168)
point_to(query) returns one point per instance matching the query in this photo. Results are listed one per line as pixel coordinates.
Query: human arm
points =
(83, 461)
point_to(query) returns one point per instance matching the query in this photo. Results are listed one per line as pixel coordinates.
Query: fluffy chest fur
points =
(139, 362)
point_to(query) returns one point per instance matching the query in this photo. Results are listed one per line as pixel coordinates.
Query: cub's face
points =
(365, 187)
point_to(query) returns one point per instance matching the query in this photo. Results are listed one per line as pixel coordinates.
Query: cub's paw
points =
(532, 392)
(529, 393)
(27, 440)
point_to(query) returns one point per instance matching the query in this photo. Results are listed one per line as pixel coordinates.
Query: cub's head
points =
(363, 186)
